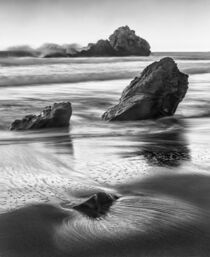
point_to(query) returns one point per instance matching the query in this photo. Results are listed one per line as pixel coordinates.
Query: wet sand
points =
(159, 170)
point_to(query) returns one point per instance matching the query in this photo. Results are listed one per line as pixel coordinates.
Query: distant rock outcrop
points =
(56, 116)
(125, 42)
(156, 93)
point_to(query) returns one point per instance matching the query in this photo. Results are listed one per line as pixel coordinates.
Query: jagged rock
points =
(56, 116)
(101, 48)
(125, 42)
(156, 93)
(97, 205)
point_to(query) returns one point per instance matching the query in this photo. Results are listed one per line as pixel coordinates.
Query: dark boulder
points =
(155, 94)
(125, 42)
(57, 115)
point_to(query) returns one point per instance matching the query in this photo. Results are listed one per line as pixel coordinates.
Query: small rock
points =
(97, 205)
(56, 116)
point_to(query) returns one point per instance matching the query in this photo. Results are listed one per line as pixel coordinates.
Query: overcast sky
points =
(168, 25)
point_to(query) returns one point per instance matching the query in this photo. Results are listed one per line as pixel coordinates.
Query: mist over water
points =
(160, 169)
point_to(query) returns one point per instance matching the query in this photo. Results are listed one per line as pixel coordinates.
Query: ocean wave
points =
(30, 71)
(8, 62)
(66, 78)
(197, 70)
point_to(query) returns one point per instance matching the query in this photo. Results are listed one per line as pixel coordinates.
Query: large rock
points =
(56, 116)
(156, 93)
(125, 42)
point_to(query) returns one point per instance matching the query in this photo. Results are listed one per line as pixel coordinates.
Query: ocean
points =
(159, 168)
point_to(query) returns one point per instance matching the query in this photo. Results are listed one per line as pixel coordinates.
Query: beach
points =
(160, 167)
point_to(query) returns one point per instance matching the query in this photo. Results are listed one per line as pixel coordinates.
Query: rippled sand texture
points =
(159, 169)
(156, 217)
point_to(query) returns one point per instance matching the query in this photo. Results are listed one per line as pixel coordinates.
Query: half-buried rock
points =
(97, 205)
(155, 94)
(54, 116)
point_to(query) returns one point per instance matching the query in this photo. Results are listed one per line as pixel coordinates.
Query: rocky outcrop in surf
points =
(154, 94)
(57, 115)
(123, 42)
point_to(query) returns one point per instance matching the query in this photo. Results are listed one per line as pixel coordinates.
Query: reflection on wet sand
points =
(156, 217)
(166, 145)
(59, 140)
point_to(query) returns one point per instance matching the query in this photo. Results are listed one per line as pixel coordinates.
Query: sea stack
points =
(54, 116)
(154, 94)
(123, 42)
